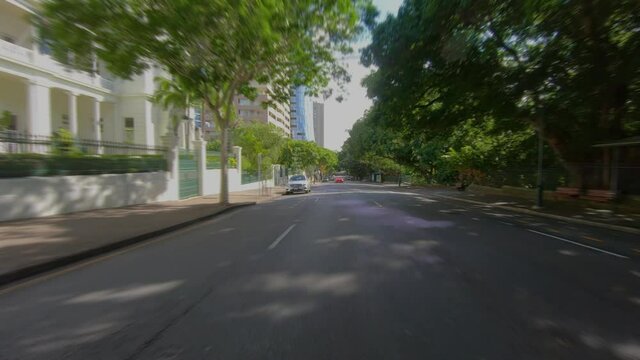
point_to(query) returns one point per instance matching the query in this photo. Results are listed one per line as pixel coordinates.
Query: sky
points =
(339, 117)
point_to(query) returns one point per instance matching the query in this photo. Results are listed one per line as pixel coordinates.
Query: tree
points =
(566, 69)
(327, 161)
(215, 49)
(176, 98)
(259, 138)
(299, 155)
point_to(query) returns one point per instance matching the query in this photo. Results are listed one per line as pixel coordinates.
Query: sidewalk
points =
(569, 210)
(32, 246)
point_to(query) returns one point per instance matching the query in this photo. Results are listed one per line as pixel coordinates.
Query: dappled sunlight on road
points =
(339, 284)
(90, 332)
(571, 336)
(285, 296)
(362, 239)
(125, 294)
(389, 216)
(276, 311)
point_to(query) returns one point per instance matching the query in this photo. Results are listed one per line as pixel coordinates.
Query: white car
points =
(298, 183)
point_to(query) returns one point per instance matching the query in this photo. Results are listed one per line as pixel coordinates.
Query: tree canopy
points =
(300, 155)
(214, 49)
(468, 81)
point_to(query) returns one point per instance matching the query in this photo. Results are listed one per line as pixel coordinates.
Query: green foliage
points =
(298, 154)
(5, 120)
(64, 143)
(21, 165)
(464, 83)
(174, 96)
(213, 49)
(213, 145)
(258, 138)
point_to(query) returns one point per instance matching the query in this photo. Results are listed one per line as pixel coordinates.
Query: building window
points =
(243, 101)
(129, 130)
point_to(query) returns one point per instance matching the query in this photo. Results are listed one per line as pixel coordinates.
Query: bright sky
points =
(339, 117)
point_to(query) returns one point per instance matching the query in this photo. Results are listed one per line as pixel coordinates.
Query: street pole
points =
(540, 185)
(259, 174)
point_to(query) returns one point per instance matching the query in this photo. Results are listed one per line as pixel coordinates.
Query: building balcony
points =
(21, 55)
(15, 52)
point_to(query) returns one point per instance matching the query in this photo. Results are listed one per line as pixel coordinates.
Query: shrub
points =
(21, 165)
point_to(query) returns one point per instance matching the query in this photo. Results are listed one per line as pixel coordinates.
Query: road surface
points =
(349, 271)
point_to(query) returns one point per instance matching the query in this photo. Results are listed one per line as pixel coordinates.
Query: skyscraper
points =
(301, 114)
(318, 123)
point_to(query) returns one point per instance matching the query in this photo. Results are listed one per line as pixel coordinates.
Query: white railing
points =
(47, 63)
(15, 52)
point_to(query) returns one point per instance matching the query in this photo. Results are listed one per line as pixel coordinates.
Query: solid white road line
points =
(282, 236)
(579, 244)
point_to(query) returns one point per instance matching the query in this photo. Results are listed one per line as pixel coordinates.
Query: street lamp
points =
(540, 182)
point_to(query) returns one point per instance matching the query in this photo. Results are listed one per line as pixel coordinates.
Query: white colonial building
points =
(43, 95)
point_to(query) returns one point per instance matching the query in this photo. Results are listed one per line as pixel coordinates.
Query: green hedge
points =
(21, 165)
(213, 160)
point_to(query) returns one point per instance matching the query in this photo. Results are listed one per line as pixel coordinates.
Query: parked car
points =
(339, 179)
(298, 183)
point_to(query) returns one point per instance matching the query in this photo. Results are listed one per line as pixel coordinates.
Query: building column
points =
(73, 113)
(149, 126)
(201, 156)
(237, 150)
(97, 134)
(38, 109)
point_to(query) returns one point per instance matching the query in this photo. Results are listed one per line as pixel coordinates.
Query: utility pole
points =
(259, 174)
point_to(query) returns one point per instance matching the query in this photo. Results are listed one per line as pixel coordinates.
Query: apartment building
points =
(42, 95)
(318, 123)
(274, 113)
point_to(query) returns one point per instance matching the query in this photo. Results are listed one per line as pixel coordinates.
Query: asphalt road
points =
(348, 271)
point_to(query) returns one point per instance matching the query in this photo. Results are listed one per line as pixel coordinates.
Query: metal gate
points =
(189, 182)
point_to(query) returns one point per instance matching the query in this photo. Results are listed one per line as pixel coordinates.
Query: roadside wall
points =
(211, 182)
(35, 196)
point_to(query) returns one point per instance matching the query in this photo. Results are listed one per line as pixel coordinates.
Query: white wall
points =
(255, 185)
(29, 197)
(211, 181)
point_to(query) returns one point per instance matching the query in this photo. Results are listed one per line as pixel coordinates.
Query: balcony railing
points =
(15, 52)
(12, 142)
(45, 62)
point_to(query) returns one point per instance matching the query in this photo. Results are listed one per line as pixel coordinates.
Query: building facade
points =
(301, 114)
(42, 95)
(274, 113)
(318, 123)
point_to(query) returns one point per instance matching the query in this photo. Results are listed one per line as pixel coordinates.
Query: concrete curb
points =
(550, 216)
(49, 265)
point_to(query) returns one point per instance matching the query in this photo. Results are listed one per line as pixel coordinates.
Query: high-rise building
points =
(318, 123)
(275, 113)
(301, 114)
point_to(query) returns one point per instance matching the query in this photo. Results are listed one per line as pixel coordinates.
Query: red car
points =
(339, 179)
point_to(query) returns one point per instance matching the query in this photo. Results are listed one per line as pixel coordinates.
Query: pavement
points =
(33, 246)
(349, 271)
